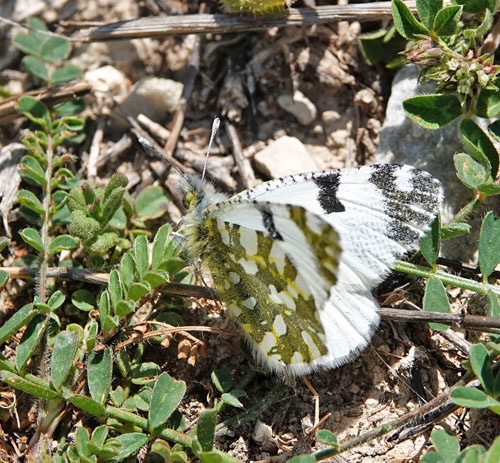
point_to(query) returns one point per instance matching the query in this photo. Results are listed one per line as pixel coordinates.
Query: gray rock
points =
(402, 141)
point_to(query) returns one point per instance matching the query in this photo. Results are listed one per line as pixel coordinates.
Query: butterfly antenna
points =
(215, 127)
(146, 144)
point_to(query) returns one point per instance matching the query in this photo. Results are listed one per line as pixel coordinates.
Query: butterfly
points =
(296, 259)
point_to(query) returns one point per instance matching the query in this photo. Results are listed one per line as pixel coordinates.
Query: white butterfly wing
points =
(380, 213)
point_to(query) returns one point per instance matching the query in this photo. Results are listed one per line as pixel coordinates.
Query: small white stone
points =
(107, 80)
(285, 156)
(153, 97)
(299, 106)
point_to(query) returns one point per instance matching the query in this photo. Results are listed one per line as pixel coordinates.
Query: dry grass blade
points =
(225, 23)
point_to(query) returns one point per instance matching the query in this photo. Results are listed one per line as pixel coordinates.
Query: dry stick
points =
(469, 322)
(226, 23)
(49, 95)
(180, 113)
(246, 172)
(95, 148)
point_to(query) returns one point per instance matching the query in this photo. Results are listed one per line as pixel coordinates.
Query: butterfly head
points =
(198, 194)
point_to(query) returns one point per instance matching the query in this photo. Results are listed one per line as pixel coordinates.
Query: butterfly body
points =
(296, 259)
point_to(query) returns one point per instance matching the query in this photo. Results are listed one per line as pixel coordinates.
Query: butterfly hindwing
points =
(273, 265)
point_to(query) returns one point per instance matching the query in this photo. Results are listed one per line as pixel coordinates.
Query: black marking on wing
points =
(268, 221)
(400, 205)
(328, 185)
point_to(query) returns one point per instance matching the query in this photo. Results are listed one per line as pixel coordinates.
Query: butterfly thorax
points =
(198, 195)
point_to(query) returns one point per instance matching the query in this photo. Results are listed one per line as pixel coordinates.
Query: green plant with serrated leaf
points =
(448, 44)
(45, 54)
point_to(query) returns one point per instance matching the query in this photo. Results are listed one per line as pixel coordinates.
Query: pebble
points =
(285, 156)
(299, 106)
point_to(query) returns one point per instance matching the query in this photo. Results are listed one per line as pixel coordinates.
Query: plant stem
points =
(47, 200)
(446, 278)
(463, 213)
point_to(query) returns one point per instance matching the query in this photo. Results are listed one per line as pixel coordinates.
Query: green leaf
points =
(55, 49)
(29, 199)
(481, 366)
(488, 103)
(469, 397)
(4, 278)
(436, 300)
(427, 10)
(489, 189)
(138, 290)
(56, 300)
(480, 146)
(32, 170)
(83, 300)
(141, 255)
(493, 304)
(65, 74)
(433, 111)
(155, 279)
(114, 287)
(211, 457)
(122, 360)
(30, 340)
(445, 444)
(327, 437)
(14, 323)
(87, 404)
(82, 441)
(123, 308)
(63, 357)
(127, 270)
(166, 397)
(29, 44)
(446, 20)
(493, 454)
(3, 243)
(489, 244)
(29, 387)
(471, 173)
(231, 399)
(73, 124)
(69, 108)
(35, 110)
(303, 459)
(145, 372)
(151, 203)
(494, 129)
(430, 243)
(36, 67)
(205, 431)
(475, 6)
(452, 230)
(63, 243)
(405, 22)
(159, 246)
(100, 374)
(128, 444)
(222, 379)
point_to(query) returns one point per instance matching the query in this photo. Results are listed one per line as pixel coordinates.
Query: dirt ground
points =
(241, 77)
